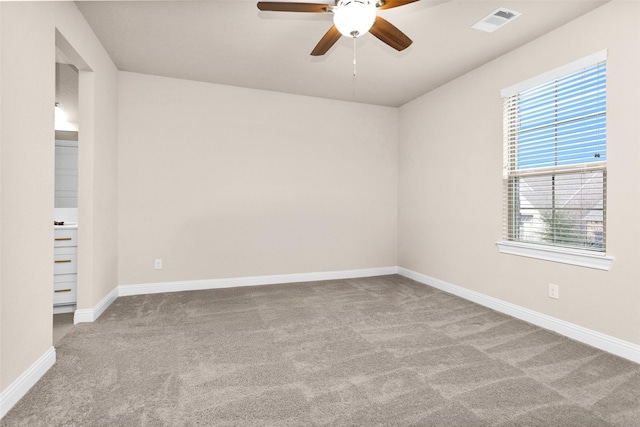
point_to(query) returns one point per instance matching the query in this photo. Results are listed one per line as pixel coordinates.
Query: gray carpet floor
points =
(381, 351)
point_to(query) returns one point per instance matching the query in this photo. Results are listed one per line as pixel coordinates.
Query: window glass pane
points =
(555, 153)
(561, 210)
(564, 122)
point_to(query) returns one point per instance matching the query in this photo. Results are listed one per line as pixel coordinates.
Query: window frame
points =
(541, 251)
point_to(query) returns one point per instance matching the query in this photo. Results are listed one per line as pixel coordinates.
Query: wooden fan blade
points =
(325, 43)
(390, 34)
(388, 4)
(276, 6)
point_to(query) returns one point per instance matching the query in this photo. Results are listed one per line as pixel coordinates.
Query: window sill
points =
(565, 256)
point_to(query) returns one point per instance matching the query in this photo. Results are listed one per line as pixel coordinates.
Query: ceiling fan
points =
(351, 18)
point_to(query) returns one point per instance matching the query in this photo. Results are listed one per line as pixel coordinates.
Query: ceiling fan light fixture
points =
(354, 18)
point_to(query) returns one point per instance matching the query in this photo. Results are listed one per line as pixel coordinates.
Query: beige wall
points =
(27, 167)
(27, 189)
(450, 163)
(224, 182)
(98, 156)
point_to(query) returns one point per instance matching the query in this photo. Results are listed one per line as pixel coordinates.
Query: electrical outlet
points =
(554, 291)
(157, 264)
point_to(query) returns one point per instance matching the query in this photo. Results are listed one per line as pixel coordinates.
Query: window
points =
(555, 159)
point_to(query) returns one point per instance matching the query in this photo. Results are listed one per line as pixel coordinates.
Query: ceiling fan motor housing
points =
(354, 18)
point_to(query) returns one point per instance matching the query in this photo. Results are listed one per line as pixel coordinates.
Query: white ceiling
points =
(231, 42)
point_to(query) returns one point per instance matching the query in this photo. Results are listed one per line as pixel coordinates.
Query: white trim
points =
(564, 256)
(593, 338)
(17, 389)
(192, 285)
(551, 75)
(91, 314)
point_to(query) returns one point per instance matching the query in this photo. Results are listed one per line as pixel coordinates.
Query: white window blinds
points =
(555, 159)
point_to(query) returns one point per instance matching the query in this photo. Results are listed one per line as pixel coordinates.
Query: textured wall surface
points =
(450, 180)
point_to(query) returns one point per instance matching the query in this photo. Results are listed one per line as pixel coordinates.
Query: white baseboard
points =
(91, 314)
(12, 394)
(193, 285)
(593, 338)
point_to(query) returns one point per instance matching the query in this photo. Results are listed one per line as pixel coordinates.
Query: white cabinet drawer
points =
(64, 260)
(64, 278)
(64, 289)
(65, 295)
(65, 237)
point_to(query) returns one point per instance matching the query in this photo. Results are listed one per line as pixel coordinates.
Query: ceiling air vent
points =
(495, 20)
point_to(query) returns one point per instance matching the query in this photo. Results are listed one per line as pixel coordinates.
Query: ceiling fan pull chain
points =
(354, 56)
